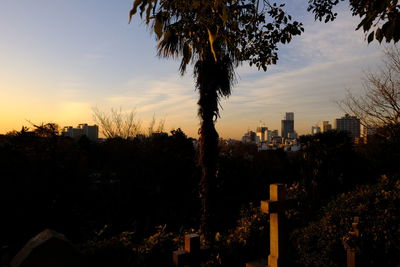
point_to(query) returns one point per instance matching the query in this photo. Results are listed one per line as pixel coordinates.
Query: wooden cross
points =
(192, 255)
(352, 257)
(275, 207)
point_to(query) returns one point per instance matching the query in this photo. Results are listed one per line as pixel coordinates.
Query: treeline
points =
(96, 191)
(78, 187)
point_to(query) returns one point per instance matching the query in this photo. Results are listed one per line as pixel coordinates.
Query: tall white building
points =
(92, 132)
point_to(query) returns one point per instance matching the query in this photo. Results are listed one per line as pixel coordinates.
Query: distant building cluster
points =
(270, 139)
(347, 123)
(90, 131)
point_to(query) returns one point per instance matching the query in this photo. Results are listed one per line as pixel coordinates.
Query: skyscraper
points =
(287, 126)
(262, 133)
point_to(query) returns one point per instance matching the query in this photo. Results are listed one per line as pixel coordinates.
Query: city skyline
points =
(57, 67)
(345, 124)
(322, 128)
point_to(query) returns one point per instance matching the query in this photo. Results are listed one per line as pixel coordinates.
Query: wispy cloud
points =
(314, 71)
(171, 98)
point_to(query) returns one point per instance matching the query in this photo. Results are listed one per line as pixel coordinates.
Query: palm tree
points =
(216, 36)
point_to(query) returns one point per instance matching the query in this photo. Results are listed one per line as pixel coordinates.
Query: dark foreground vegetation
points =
(128, 202)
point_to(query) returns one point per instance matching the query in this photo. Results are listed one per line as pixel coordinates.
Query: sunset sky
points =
(59, 59)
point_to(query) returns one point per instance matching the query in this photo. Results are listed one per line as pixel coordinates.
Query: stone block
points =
(48, 249)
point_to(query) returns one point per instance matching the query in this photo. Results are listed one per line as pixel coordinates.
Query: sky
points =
(60, 59)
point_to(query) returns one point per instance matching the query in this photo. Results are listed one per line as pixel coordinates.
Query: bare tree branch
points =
(379, 105)
(118, 123)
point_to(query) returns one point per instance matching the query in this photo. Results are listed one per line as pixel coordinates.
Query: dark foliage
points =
(383, 150)
(380, 19)
(111, 195)
(77, 187)
(330, 163)
(377, 205)
(82, 188)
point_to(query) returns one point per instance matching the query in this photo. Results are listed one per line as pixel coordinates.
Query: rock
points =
(48, 249)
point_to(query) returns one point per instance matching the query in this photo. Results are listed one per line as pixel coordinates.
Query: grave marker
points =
(275, 207)
(192, 254)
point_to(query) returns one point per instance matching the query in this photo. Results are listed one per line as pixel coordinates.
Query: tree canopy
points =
(380, 19)
(243, 30)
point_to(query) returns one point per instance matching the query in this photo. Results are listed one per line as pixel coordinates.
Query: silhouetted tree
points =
(46, 130)
(379, 105)
(216, 36)
(117, 123)
(329, 163)
(382, 150)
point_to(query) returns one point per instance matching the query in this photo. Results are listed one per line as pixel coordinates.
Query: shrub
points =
(248, 241)
(122, 250)
(378, 207)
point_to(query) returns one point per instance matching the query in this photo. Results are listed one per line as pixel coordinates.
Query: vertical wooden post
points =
(275, 207)
(277, 231)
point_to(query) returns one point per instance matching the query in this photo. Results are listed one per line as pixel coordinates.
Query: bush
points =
(378, 207)
(249, 240)
(122, 250)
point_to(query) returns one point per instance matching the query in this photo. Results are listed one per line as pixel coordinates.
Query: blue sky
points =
(58, 59)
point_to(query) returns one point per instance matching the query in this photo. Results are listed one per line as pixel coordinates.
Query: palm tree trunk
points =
(207, 84)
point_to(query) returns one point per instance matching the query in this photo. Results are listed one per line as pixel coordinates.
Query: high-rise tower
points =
(287, 126)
